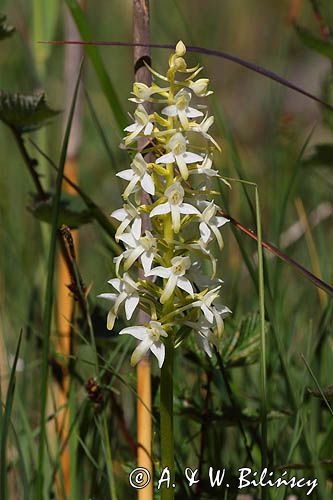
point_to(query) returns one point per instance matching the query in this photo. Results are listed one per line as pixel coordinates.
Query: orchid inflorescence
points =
(183, 221)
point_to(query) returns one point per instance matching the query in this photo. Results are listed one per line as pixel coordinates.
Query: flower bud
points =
(180, 49)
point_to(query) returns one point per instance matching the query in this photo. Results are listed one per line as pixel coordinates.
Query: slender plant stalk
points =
(65, 302)
(141, 34)
(263, 380)
(47, 317)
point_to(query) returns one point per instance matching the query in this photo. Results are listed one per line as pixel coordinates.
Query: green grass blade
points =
(97, 62)
(5, 422)
(47, 317)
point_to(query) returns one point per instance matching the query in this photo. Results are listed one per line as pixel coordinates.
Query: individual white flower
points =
(175, 206)
(143, 247)
(137, 174)
(175, 276)
(212, 312)
(203, 127)
(205, 168)
(150, 340)
(178, 154)
(182, 109)
(210, 222)
(200, 86)
(142, 123)
(205, 337)
(127, 292)
(127, 215)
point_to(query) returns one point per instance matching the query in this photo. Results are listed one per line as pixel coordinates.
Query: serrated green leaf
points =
(5, 30)
(312, 41)
(25, 113)
(68, 214)
(321, 156)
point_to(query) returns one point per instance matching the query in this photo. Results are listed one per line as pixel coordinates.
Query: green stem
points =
(166, 415)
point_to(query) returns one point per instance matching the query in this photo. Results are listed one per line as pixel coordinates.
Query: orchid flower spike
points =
(167, 235)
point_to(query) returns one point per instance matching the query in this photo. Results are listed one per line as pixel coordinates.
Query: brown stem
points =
(141, 35)
(30, 163)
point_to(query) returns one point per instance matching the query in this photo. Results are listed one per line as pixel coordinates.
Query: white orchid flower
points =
(141, 123)
(205, 168)
(210, 222)
(175, 206)
(212, 312)
(203, 127)
(143, 247)
(127, 292)
(127, 215)
(205, 337)
(175, 276)
(150, 340)
(178, 154)
(200, 87)
(182, 109)
(137, 174)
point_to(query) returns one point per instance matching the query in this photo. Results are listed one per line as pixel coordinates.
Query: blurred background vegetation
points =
(267, 134)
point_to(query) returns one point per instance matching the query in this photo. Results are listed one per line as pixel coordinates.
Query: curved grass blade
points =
(209, 52)
(47, 316)
(5, 422)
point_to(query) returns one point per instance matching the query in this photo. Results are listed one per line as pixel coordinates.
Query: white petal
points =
(158, 349)
(148, 129)
(110, 320)
(126, 174)
(116, 283)
(162, 209)
(208, 313)
(168, 158)
(147, 184)
(169, 288)
(204, 232)
(220, 221)
(185, 285)
(128, 238)
(134, 254)
(162, 272)
(130, 305)
(139, 332)
(119, 214)
(169, 110)
(193, 113)
(192, 157)
(141, 350)
(108, 296)
(180, 159)
(136, 227)
(175, 215)
(147, 261)
(186, 208)
(131, 128)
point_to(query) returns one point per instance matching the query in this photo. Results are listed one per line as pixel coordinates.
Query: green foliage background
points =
(267, 134)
